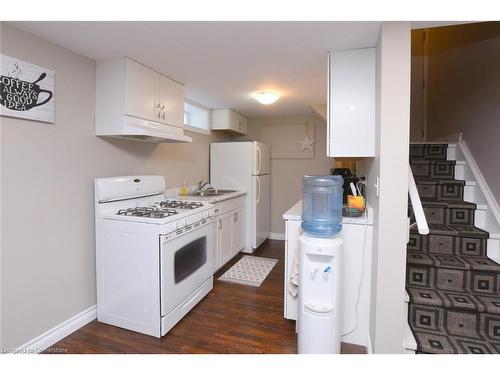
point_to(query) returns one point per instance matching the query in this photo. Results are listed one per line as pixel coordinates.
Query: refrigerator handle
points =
(258, 191)
(259, 160)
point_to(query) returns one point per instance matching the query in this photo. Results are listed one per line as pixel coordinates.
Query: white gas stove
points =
(154, 256)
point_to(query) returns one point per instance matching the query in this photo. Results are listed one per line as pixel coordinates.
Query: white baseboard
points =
(277, 236)
(53, 335)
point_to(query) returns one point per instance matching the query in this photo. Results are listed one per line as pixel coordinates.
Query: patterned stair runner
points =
(454, 287)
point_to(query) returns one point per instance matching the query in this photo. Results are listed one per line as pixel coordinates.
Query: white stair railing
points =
(418, 210)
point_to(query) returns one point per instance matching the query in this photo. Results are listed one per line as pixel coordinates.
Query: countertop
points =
(295, 213)
(213, 199)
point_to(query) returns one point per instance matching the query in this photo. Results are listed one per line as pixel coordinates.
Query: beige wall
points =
(387, 316)
(47, 242)
(286, 174)
(463, 92)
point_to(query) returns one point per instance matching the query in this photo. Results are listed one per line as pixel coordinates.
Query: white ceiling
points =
(222, 63)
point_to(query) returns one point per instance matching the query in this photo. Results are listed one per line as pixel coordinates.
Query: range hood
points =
(129, 127)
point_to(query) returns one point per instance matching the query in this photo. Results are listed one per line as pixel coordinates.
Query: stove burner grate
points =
(151, 212)
(182, 205)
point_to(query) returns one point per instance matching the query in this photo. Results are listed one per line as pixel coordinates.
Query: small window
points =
(196, 117)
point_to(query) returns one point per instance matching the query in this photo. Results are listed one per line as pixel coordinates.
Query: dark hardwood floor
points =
(232, 318)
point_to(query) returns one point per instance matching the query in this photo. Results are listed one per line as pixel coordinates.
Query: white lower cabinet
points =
(293, 228)
(238, 230)
(229, 230)
(223, 238)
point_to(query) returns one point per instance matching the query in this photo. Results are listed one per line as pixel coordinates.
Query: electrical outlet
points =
(377, 187)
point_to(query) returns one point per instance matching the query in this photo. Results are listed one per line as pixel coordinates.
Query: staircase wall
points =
(463, 77)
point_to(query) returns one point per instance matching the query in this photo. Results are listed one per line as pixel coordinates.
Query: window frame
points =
(194, 128)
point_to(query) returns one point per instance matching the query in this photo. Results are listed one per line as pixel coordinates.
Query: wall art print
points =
(26, 90)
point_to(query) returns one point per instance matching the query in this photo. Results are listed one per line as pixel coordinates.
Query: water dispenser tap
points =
(326, 271)
(313, 272)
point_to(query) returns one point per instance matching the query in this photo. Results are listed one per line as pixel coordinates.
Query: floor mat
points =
(249, 270)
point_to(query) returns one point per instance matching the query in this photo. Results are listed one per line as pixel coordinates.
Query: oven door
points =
(186, 262)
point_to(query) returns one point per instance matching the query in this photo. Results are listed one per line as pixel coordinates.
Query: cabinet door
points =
(171, 102)
(243, 126)
(219, 119)
(240, 124)
(351, 103)
(217, 240)
(233, 120)
(293, 230)
(238, 230)
(141, 91)
(224, 235)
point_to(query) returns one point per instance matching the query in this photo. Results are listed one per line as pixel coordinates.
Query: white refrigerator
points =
(246, 166)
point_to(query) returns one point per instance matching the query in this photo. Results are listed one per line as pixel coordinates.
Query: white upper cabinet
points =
(171, 102)
(227, 119)
(351, 103)
(141, 88)
(124, 86)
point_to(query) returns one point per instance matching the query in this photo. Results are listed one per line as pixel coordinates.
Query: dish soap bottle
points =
(184, 189)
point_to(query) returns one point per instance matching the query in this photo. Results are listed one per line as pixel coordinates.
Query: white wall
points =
(387, 316)
(463, 94)
(47, 242)
(286, 174)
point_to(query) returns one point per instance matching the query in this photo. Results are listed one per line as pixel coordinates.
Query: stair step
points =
(450, 240)
(437, 181)
(433, 162)
(453, 279)
(455, 230)
(446, 343)
(465, 263)
(441, 190)
(449, 204)
(447, 212)
(428, 151)
(455, 300)
(433, 169)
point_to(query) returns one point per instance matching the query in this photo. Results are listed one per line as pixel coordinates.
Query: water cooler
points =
(320, 250)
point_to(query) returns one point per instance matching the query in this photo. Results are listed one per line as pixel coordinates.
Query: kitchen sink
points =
(211, 192)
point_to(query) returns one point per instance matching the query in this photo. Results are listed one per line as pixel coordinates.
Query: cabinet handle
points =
(235, 217)
(220, 224)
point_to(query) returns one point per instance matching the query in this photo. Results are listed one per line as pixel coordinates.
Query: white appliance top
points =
(142, 199)
(128, 187)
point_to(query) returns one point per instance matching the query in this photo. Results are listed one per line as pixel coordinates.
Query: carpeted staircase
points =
(454, 287)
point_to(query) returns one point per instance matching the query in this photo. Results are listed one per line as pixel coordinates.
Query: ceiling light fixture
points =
(266, 97)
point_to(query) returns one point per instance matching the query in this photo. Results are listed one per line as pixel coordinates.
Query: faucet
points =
(202, 184)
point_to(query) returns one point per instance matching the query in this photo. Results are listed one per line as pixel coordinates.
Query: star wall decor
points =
(307, 143)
